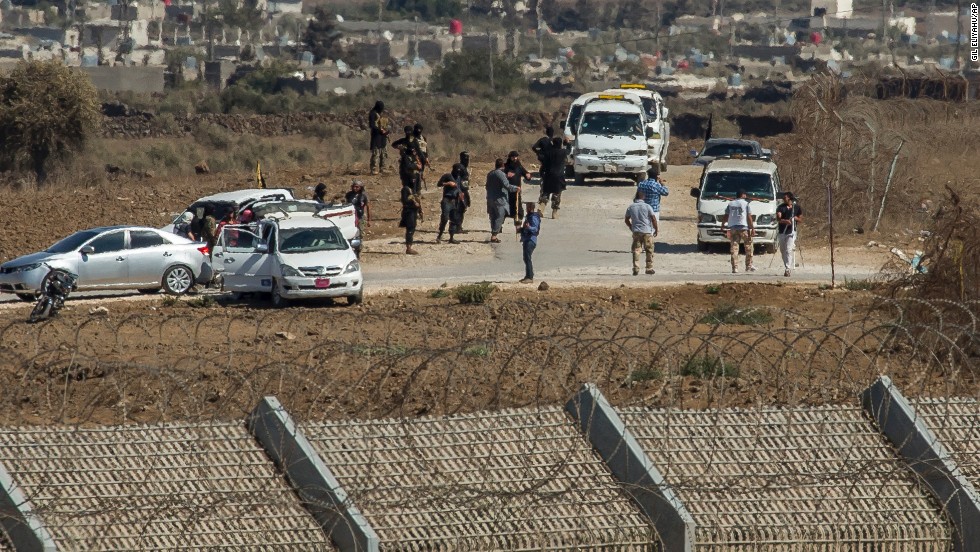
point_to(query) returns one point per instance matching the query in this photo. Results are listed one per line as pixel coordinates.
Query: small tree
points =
(47, 111)
(322, 36)
(469, 72)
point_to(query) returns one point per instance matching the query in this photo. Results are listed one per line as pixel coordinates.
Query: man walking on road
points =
(653, 188)
(741, 227)
(552, 176)
(499, 190)
(642, 221)
(789, 214)
(529, 239)
(378, 123)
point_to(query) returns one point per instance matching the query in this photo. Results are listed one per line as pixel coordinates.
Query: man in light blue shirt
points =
(653, 188)
(529, 239)
(642, 221)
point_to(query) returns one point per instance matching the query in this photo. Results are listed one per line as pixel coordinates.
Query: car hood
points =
(319, 258)
(39, 257)
(610, 144)
(704, 160)
(717, 207)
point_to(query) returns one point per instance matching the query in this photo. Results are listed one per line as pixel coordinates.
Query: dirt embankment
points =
(147, 125)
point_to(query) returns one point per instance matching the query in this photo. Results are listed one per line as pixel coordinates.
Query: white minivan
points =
(295, 256)
(721, 181)
(610, 139)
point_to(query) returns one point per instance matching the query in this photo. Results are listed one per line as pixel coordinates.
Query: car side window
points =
(239, 238)
(139, 239)
(107, 243)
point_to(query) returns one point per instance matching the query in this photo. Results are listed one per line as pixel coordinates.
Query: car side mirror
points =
(695, 192)
(694, 153)
(649, 132)
(767, 151)
(87, 250)
(262, 248)
(355, 243)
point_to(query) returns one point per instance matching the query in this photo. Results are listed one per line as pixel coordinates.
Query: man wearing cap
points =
(499, 191)
(516, 174)
(529, 239)
(378, 123)
(359, 199)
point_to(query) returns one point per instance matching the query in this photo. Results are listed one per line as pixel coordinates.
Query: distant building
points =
(109, 33)
(832, 8)
(285, 6)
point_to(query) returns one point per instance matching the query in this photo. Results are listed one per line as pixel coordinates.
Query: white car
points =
(721, 181)
(113, 257)
(295, 256)
(656, 116)
(219, 205)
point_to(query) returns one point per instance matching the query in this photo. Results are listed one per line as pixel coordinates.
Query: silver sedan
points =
(113, 257)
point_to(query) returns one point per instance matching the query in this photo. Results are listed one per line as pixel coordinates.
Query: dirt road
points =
(589, 244)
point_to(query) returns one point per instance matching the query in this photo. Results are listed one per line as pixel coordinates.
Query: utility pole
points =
(959, 33)
(490, 50)
(381, 9)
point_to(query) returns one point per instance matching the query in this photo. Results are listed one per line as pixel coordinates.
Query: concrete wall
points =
(126, 79)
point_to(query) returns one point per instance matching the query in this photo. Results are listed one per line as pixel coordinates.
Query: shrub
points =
(708, 367)
(468, 72)
(861, 285)
(644, 373)
(712, 290)
(439, 293)
(47, 111)
(729, 314)
(474, 294)
(654, 305)
(202, 302)
(481, 351)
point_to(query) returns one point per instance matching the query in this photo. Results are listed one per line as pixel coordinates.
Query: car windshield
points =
(725, 185)
(307, 240)
(718, 150)
(72, 242)
(602, 123)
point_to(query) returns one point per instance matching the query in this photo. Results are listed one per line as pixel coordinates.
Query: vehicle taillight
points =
(204, 250)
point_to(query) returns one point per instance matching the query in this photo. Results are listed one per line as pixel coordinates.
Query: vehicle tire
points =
(41, 310)
(278, 301)
(178, 280)
(702, 246)
(580, 180)
(151, 291)
(356, 299)
(27, 297)
(770, 248)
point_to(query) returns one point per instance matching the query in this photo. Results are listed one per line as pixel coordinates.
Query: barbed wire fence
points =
(373, 403)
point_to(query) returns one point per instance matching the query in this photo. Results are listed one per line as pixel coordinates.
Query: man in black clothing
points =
(320, 193)
(359, 199)
(789, 215)
(464, 191)
(409, 168)
(411, 215)
(552, 177)
(516, 174)
(378, 123)
(408, 141)
(542, 145)
(450, 207)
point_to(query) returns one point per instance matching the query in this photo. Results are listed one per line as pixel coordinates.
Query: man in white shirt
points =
(741, 227)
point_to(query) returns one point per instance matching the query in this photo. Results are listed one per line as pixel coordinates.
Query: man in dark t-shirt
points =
(788, 215)
(359, 199)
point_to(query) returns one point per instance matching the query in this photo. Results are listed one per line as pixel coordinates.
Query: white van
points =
(296, 256)
(610, 139)
(720, 183)
(656, 115)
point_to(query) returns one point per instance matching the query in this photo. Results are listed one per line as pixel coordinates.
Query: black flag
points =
(707, 133)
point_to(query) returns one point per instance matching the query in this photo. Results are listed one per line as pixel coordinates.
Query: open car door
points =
(244, 259)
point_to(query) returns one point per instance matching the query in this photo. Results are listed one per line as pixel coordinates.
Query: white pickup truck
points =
(298, 255)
